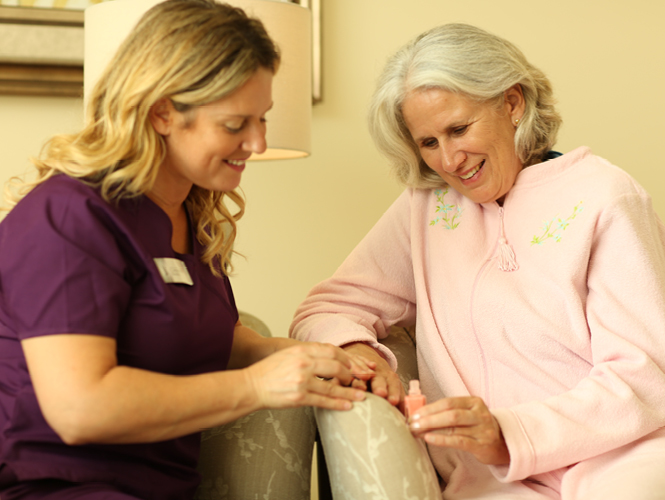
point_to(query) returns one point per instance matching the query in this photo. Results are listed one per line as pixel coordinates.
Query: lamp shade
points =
(107, 24)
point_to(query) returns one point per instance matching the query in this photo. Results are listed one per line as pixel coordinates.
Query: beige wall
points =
(605, 58)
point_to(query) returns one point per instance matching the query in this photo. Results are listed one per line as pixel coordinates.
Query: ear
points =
(161, 116)
(514, 102)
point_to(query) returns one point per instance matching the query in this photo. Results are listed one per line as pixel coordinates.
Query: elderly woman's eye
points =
(429, 143)
(460, 130)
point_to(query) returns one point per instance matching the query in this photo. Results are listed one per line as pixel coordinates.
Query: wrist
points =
(252, 399)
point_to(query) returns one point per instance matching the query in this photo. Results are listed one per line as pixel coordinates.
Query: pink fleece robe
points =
(567, 349)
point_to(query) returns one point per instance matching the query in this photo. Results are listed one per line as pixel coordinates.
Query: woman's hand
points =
(295, 377)
(465, 424)
(385, 383)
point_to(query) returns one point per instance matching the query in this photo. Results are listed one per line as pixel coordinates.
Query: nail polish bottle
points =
(414, 400)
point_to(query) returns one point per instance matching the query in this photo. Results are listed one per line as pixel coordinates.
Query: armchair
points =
(368, 452)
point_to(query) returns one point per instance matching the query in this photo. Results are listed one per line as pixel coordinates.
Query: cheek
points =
(431, 158)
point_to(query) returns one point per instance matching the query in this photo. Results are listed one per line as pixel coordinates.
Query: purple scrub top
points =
(70, 262)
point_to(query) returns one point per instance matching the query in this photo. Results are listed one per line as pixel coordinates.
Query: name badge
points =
(173, 271)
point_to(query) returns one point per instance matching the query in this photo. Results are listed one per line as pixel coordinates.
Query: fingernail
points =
(359, 395)
(415, 417)
(348, 405)
(415, 425)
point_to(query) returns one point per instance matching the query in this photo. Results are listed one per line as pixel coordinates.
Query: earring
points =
(517, 121)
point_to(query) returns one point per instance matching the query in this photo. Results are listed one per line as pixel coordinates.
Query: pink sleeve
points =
(372, 290)
(621, 399)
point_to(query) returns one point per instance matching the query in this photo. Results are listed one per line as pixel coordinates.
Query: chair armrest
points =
(370, 452)
(267, 454)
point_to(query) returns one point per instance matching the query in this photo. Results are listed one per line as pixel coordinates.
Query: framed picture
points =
(41, 46)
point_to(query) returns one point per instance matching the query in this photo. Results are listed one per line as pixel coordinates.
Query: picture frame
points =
(41, 50)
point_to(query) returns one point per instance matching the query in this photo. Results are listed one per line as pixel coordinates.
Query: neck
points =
(173, 207)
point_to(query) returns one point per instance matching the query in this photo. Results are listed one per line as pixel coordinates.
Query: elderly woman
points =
(119, 334)
(535, 281)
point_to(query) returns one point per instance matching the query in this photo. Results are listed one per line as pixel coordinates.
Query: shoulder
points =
(61, 209)
(583, 173)
(56, 196)
(607, 182)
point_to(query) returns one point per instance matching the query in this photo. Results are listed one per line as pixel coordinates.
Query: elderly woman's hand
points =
(385, 382)
(464, 423)
(310, 374)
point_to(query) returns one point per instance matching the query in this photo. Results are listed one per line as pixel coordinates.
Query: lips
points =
(237, 165)
(472, 172)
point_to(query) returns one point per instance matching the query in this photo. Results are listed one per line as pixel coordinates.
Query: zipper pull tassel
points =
(507, 260)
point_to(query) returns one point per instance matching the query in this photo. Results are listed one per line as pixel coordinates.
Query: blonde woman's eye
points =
(429, 143)
(234, 127)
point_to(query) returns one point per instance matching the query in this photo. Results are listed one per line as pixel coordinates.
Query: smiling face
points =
(208, 145)
(469, 144)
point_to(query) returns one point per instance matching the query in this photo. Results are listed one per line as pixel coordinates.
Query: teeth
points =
(473, 172)
(237, 163)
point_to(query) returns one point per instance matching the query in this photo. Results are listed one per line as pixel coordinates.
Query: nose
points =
(451, 158)
(255, 140)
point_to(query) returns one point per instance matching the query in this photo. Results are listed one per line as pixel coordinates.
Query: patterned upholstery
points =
(369, 451)
(266, 455)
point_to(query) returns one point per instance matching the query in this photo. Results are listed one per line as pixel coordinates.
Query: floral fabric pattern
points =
(371, 454)
(554, 227)
(263, 456)
(449, 215)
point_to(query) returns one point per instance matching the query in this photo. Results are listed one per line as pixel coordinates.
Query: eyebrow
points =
(230, 115)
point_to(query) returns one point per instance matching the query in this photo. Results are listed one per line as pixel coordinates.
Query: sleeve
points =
(61, 269)
(372, 290)
(621, 400)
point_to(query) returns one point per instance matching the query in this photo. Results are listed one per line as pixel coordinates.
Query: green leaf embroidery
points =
(449, 215)
(553, 228)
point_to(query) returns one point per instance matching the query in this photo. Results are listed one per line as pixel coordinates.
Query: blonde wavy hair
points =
(467, 60)
(191, 51)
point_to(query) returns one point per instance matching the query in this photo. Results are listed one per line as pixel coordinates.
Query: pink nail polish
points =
(414, 400)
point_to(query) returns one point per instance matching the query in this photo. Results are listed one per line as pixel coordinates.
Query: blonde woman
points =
(119, 334)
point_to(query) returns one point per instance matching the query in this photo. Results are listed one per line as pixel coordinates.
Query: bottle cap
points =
(414, 388)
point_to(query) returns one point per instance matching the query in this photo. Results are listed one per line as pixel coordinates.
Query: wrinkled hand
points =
(463, 423)
(384, 383)
(294, 377)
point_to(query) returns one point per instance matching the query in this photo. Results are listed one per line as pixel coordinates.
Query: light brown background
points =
(606, 60)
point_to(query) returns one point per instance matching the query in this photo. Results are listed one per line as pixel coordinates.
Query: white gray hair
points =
(467, 60)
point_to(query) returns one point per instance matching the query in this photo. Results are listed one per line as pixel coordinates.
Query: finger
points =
(360, 369)
(328, 403)
(359, 384)
(449, 439)
(326, 388)
(395, 390)
(371, 364)
(493, 453)
(325, 351)
(423, 420)
(379, 386)
(330, 368)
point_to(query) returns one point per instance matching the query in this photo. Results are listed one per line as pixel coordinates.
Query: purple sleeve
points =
(61, 268)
